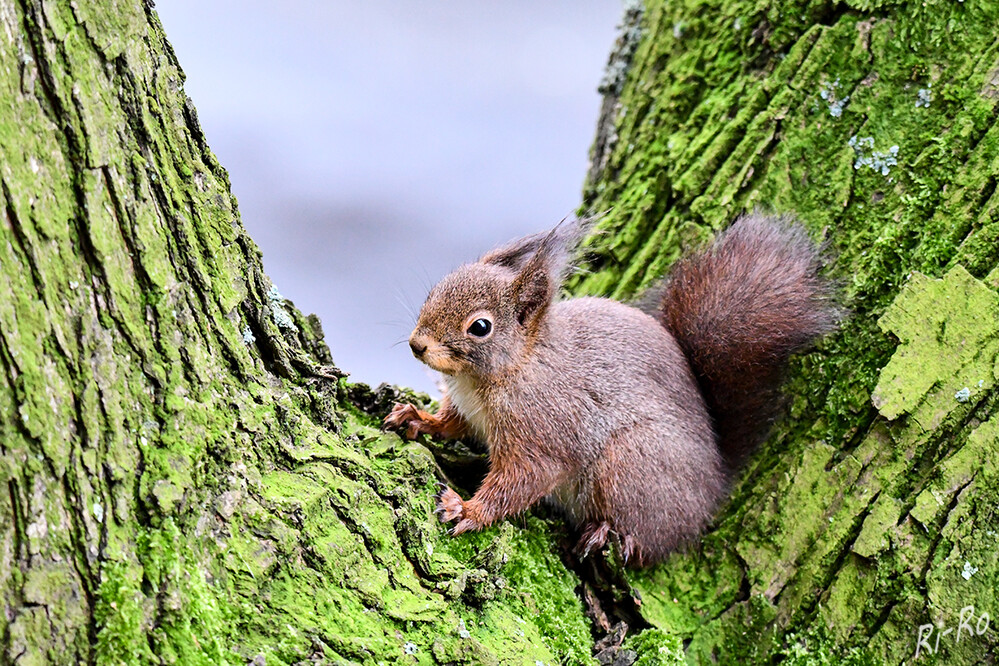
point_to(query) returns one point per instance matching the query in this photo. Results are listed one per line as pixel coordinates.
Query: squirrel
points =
(633, 423)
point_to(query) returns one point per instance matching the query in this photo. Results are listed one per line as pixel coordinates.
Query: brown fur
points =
(598, 406)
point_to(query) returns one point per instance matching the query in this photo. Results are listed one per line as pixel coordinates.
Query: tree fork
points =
(188, 478)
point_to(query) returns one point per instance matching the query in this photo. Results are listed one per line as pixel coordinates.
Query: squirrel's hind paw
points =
(593, 538)
(465, 525)
(630, 551)
(449, 506)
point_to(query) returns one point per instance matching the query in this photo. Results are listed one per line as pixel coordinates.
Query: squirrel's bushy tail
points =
(739, 310)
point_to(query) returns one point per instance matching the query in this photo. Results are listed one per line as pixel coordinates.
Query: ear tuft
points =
(557, 245)
(542, 262)
(514, 254)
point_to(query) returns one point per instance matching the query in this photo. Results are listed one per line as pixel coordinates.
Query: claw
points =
(393, 420)
(629, 549)
(593, 538)
(464, 525)
(409, 421)
(450, 504)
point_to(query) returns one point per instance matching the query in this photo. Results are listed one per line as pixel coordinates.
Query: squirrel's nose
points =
(417, 347)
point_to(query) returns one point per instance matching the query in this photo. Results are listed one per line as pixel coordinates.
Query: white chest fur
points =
(467, 399)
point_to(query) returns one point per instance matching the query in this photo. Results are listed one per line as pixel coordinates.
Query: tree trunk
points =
(189, 480)
(184, 477)
(874, 508)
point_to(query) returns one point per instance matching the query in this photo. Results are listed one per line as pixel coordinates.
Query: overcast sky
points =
(373, 146)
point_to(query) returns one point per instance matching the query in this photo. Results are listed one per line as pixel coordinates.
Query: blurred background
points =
(375, 145)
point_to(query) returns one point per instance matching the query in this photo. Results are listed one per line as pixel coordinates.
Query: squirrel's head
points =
(485, 317)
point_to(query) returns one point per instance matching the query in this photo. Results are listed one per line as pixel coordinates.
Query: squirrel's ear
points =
(541, 261)
(533, 290)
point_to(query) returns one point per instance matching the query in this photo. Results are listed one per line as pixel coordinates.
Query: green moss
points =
(654, 647)
(947, 328)
(389, 572)
(746, 629)
(818, 648)
(193, 624)
(122, 619)
(842, 606)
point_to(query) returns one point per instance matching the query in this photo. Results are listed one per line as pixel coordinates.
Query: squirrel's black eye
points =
(480, 328)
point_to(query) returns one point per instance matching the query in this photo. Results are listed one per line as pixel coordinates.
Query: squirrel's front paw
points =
(406, 418)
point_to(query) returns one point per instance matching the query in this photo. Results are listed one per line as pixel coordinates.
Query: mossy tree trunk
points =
(183, 477)
(874, 508)
(186, 479)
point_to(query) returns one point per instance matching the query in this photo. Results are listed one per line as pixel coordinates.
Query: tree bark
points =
(184, 477)
(874, 508)
(187, 479)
